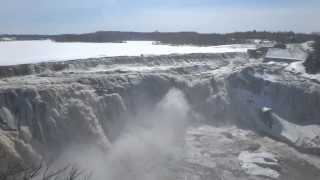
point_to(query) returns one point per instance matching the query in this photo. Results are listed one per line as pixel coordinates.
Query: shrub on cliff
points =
(43, 172)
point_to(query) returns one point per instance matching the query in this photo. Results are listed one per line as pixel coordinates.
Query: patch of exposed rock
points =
(233, 153)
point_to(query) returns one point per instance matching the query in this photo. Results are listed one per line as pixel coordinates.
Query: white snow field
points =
(21, 52)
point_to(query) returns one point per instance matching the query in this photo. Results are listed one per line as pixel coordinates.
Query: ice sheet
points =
(20, 52)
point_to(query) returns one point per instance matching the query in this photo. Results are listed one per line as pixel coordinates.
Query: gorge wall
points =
(46, 108)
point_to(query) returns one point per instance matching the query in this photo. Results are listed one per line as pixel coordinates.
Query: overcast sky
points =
(78, 16)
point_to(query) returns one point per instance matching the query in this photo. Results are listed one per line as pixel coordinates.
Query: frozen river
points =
(20, 52)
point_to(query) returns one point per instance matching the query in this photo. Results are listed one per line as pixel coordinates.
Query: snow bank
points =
(299, 68)
(20, 52)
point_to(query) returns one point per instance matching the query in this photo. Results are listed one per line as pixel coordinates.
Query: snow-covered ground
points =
(20, 52)
(299, 68)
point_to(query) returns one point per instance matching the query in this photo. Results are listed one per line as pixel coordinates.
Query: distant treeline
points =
(280, 37)
(26, 37)
(175, 38)
(167, 38)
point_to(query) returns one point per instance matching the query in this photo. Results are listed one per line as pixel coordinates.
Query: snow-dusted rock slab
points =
(235, 154)
(260, 164)
(305, 138)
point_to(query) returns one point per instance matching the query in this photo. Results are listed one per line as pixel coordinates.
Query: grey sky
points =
(77, 16)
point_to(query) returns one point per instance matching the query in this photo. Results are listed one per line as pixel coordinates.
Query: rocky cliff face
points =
(293, 98)
(46, 108)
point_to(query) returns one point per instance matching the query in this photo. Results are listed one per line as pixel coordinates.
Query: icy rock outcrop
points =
(260, 164)
(50, 119)
(236, 154)
(305, 138)
(293, 98)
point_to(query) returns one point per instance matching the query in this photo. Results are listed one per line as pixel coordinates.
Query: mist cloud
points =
(145, 150)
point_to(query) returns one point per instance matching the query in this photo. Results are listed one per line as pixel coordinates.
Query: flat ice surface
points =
(20, 52)
(293, 52)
